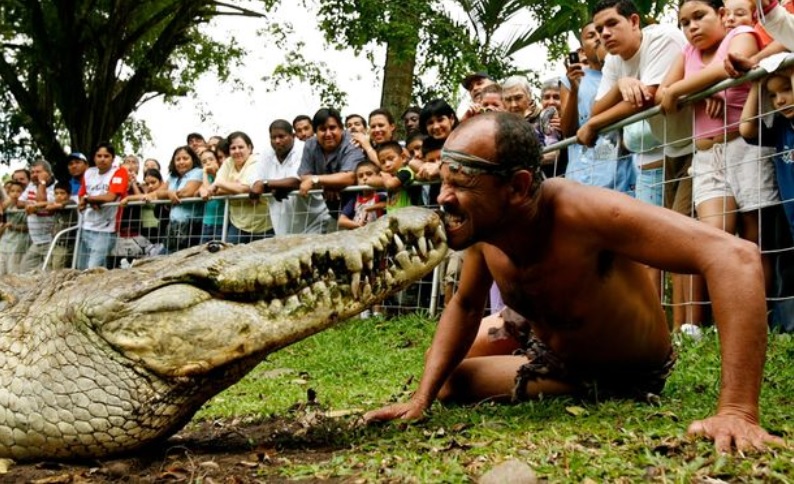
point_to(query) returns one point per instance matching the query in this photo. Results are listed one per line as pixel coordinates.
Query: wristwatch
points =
(315, 181)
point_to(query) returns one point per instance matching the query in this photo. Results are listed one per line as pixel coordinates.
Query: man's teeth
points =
(453, 221)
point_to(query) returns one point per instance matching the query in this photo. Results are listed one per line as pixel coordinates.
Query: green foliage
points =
(362, 365)
(555, 20)
(83, 66)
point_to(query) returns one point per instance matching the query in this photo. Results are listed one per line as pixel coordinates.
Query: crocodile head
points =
(100, 362)
(210, 305)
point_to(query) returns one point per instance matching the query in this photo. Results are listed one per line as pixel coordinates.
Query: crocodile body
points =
(102, 362)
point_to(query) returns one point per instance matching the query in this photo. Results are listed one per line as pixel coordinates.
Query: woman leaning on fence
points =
(250, 220)
(184, 181)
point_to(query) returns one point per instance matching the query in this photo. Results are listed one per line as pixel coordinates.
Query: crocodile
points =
(104, 362)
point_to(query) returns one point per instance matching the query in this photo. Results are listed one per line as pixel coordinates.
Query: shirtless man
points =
(571, 259)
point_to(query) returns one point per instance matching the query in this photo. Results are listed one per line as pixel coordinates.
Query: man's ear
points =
(520, 184)
(635, 20)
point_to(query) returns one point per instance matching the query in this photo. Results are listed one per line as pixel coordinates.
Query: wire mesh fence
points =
(649, 156)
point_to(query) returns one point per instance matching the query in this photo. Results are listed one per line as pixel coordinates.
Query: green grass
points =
(365, 364)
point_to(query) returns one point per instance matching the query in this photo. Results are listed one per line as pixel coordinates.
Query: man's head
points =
(355, 123)
(391, 156)
(411, 120)
(103, 156)
(77, 164)
(63, 190)
(474, 83)
(213, 141)
(489, 171)
(22, 176)
(196, 142)
(302, 124)
(517, 96)
(41, 170)
(618, 24)
(365, 170)
(593, 48)
(282, 138)
(327, 124)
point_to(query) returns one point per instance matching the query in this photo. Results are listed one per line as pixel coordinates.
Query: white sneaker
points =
(692, 330)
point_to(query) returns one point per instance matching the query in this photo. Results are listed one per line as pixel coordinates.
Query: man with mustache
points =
(570, 261)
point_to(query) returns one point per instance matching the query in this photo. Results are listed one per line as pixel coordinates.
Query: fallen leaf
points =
(248, 464)
(576, 411)
(210, 465)
(60, 479)
(343, 413)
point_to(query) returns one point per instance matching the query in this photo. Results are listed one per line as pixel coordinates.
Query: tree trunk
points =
(401, 50)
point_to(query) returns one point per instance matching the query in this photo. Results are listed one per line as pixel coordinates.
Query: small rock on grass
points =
(510, 472)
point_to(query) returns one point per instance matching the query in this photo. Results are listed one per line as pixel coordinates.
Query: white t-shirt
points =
(95, 183)
(661, 46)
(293, 215)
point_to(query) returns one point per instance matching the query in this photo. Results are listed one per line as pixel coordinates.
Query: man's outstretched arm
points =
(732, 268)
(455, 334)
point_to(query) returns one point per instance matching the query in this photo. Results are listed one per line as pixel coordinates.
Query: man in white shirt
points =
(278, 174)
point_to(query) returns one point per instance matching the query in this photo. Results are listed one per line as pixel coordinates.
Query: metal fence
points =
(145, 230)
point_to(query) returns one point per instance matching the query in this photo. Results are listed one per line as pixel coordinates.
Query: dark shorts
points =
(629, 381)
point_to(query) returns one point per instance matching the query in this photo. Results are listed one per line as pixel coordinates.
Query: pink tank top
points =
(734, 97)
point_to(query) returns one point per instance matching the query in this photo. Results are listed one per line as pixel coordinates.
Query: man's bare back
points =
(569, 258)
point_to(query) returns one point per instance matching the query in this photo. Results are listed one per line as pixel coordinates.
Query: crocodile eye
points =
(214, 246)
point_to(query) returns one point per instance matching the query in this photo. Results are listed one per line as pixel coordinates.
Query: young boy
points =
(15, 240)
(365, 208)
(396, 177)
(777, 239)
(368, 205)
(64, 216)
(780, 134)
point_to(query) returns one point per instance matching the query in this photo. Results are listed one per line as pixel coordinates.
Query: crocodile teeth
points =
(404, 259)
(440, 234)
(421, 243)
(399, 243)
(355, 283)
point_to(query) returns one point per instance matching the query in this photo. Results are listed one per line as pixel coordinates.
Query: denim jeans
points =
(211, 232)
(650, 186)
(94, 248)
(237, 236)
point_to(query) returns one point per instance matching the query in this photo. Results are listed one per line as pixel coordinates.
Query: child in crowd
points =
(727, 172)
(14, 241)
(396, 176)
(368, 205)
(154, 218)
(414, 145)
(64, 210)
(365, 208)
(781, 133)
(212, 223)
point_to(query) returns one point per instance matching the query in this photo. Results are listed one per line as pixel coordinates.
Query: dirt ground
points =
(208, 452)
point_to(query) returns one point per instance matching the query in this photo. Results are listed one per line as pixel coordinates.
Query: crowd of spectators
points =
(714, 159)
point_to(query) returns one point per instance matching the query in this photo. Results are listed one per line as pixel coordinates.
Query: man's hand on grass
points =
(730, 430)
(410, 410)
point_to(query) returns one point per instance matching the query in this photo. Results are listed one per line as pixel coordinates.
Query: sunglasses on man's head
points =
(471, 165)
